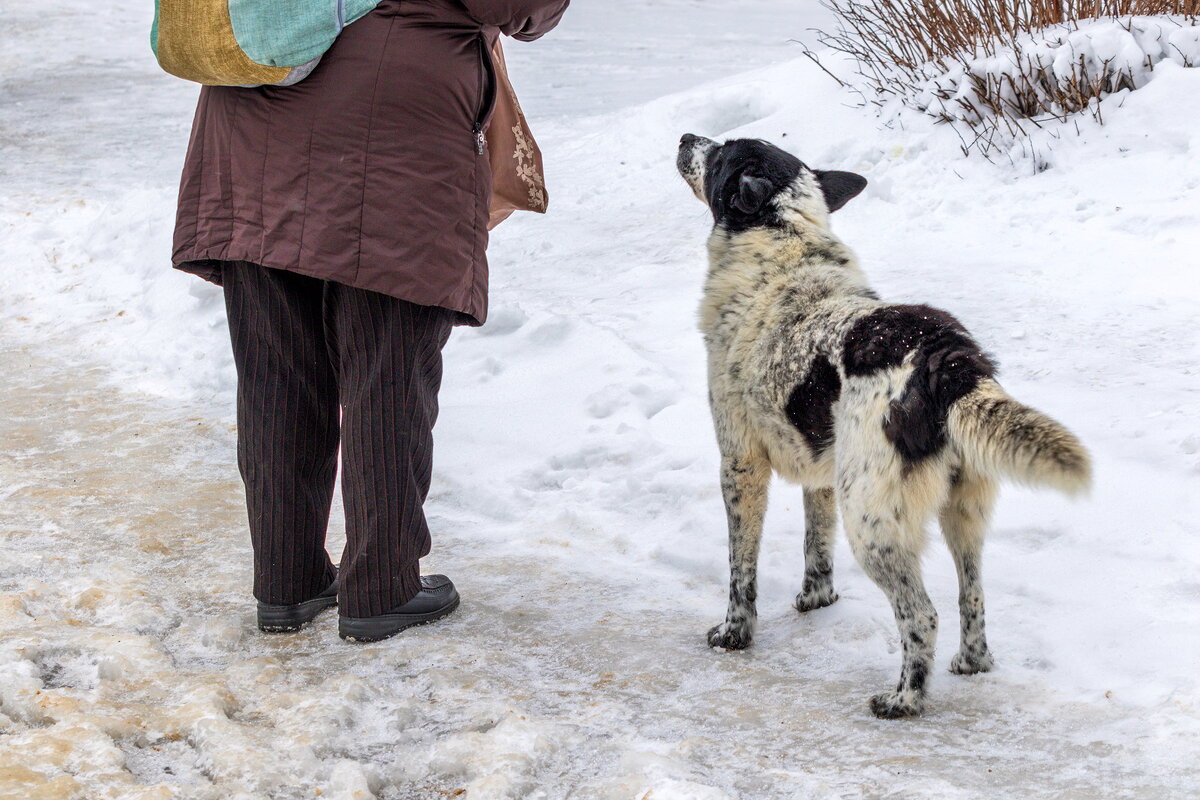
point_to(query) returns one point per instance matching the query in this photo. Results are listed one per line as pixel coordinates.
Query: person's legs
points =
(389, 366)
(287, 410)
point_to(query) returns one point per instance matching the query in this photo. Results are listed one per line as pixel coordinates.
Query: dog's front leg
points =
(744, 482)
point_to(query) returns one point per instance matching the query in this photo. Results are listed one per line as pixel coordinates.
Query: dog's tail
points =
(997, 434)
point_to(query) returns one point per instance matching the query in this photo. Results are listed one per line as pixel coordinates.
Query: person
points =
(346, 219)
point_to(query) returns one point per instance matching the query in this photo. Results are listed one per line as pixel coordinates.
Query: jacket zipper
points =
(487, 80)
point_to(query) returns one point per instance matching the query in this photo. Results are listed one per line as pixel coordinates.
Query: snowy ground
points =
(576, 468)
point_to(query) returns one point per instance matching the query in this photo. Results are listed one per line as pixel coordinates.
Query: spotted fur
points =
(890, 413)
(947, 365)
(810, 407)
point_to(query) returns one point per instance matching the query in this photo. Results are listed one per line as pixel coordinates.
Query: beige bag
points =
(518, 179)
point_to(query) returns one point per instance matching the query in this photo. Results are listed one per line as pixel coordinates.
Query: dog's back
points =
(943, 402)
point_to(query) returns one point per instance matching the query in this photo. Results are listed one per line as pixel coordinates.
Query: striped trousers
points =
(306, 349)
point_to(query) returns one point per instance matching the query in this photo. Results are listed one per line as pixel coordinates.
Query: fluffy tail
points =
(996, 434)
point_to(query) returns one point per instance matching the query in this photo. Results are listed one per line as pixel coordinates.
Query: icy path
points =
(131, 668)
(575, 464)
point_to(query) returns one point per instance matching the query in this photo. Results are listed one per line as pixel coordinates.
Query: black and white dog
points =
(889, 412)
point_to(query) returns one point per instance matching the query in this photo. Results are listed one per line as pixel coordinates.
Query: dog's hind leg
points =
(744, 482)
(964, 520)
(886, 554)
(820, 524)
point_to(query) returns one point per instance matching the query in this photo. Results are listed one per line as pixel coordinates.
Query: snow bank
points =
(93, 267)
(1052, 71)
(576, 502)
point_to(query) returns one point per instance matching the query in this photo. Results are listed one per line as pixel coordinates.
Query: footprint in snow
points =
(503, 321)
(552, 331)
(67, 668)
(614, 397)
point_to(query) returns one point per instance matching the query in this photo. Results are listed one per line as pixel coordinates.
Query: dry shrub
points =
(999, 66)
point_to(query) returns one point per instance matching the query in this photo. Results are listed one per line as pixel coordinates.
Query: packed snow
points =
(575, 502)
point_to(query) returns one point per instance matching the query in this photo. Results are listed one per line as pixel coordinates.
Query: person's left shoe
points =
(436, 598)
(289, 618)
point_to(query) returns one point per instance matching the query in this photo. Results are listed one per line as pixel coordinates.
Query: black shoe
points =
(285, 619)
(437, 598)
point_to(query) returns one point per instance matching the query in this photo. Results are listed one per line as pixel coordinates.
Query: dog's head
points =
(749, 183)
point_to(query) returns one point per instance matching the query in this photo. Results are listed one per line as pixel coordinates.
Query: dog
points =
(890, 413)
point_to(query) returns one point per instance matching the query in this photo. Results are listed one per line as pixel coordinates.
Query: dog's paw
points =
(897, 705)
(965, 663)
(730, 637)
(814, 596)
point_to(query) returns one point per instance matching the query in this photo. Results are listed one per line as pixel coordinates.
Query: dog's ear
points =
(752, 194)
(839, 187)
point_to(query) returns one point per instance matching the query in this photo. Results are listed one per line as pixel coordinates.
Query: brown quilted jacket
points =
(371, 172)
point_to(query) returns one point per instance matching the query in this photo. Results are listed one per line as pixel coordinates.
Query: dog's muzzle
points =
(693, 152)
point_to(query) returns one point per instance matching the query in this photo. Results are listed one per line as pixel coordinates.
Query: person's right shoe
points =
(437, 598)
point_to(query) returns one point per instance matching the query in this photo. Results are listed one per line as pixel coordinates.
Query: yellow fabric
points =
(196, 42)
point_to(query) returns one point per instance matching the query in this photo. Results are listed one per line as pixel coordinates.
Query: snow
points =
(575, 502)
(1047, 63)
